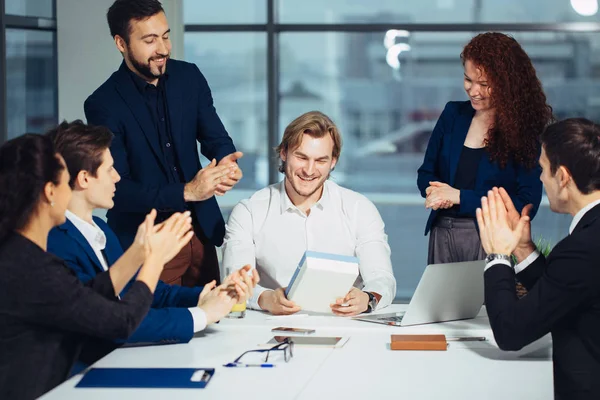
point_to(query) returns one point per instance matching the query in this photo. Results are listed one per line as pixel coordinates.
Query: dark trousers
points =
(454, 240)
(195, 265)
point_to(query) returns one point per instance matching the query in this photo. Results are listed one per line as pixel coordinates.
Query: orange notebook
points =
(419, 342)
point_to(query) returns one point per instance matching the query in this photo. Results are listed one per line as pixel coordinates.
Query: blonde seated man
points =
(306, 211)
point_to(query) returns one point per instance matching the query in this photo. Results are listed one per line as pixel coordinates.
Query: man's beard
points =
(144, 69)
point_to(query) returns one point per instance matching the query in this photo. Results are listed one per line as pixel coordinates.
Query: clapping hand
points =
(497, 228)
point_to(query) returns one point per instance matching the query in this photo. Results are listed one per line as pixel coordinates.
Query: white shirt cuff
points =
(527, 262)
(253, 301)
(496, 262)
(199, 318)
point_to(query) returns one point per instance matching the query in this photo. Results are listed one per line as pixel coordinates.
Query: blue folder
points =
(192, 378)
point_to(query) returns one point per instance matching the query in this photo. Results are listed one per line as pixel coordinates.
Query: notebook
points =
(320, 279)
(182, 378)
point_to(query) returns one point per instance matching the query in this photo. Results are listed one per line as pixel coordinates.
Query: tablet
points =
(312, 341)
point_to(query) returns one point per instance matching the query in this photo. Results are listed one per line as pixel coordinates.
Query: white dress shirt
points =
(268, 232)
(97, 241)
(533, 256)
(93, 234)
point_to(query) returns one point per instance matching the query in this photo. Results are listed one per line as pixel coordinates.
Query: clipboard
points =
(176, 378)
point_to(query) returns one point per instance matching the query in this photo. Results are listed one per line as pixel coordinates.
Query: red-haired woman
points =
(489, 140)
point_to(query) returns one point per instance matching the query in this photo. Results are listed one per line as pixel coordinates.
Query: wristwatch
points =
(372, 302)
(495, 256)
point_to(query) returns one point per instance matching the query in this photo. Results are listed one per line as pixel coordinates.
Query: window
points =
(30, 8)
(234, 66)
(31, 81)
(28, 64)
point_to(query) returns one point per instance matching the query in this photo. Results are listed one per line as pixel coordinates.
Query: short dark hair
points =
(574, 143)
(27, 164)
(121, 13)
(81, 146)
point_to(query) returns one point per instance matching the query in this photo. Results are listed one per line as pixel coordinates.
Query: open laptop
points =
(446, 292)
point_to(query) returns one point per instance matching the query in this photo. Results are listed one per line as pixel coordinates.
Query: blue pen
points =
(231, 365)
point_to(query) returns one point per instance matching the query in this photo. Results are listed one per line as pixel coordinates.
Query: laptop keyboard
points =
(397, 318)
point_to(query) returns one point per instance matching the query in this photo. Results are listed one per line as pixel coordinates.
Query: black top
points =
(466, 174)
(156, 101)
(564, 299)
(46, 314)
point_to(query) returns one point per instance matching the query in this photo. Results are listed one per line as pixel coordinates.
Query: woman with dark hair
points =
(46, 313)
(490, 140)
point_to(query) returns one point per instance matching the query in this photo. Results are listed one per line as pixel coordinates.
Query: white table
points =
(364, 368)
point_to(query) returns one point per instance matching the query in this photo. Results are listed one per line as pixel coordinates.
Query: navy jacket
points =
(168, 320)
(441, 160)
(563, 298)
(136, 149)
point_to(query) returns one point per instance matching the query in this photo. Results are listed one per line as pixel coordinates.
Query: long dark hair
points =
(27, 164)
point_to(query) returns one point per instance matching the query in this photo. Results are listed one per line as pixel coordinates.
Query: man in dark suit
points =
(564, 287)
(158, 109)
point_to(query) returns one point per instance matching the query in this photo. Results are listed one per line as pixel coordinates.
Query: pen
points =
(231, 365)
(467, 339)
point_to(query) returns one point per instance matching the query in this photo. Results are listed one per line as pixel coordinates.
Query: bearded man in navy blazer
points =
(159, 109)
(563, 288)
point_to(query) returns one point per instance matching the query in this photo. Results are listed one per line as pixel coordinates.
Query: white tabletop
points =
(364, 368)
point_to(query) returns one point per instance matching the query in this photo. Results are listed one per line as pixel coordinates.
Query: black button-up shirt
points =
(156, 101)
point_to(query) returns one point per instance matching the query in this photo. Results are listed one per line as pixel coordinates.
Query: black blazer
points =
(564, 299)
(137, 152)
(46, 314)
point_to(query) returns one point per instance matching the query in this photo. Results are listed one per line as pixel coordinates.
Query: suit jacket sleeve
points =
(175, 296)
(63, 247)
(570, 279)
(214, 139)
(428, 172)
(132, 196)
(528, 191)
(59, 300)
(164, 325)
(530, 275)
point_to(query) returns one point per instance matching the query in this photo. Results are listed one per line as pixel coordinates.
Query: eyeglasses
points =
(287, 346)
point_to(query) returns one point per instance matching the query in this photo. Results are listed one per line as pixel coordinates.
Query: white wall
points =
(87, 54)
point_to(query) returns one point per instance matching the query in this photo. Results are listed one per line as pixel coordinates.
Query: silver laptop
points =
(446, 292)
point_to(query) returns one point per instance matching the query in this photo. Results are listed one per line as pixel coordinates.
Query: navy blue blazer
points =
(136, 149)
(441, 160)
(168, 320)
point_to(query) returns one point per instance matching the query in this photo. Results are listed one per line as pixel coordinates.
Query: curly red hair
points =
(516, 94)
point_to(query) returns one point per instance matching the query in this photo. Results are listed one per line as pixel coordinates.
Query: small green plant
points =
(543, 246)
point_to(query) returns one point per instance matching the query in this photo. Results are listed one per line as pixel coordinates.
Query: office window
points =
(234, 66)
(30, 8)
(30, 81)
(428, 11)
(225, 12)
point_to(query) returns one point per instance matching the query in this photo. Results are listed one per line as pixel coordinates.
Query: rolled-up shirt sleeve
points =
(373, 252)
(238, 246)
